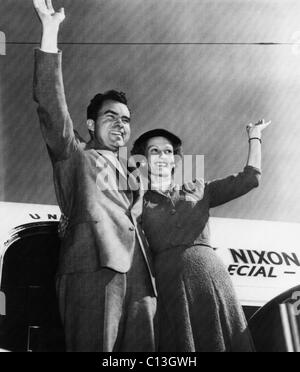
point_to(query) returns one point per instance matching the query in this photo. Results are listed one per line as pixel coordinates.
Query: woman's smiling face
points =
(160, 156)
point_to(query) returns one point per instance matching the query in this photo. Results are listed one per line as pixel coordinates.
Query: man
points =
(105, 286)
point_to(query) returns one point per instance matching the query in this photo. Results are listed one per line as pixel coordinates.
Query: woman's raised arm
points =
(255, 134)
(224, 190)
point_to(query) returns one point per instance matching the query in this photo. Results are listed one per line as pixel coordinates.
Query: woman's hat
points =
(139, 144)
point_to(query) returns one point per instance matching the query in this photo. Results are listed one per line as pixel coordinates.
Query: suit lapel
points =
(128, 182)
(137, 207)
(116, 182)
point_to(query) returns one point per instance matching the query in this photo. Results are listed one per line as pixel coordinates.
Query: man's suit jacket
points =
(104, 225)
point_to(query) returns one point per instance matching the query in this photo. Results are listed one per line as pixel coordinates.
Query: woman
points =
(198, 308)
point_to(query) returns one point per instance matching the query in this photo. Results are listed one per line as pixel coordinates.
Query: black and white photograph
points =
(150, 178)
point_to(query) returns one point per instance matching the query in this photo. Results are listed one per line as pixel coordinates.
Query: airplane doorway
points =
(29, 265)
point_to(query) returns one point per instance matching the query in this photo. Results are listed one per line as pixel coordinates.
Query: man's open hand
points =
(47, 15)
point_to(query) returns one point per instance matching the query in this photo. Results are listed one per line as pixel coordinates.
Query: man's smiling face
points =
(112, 128)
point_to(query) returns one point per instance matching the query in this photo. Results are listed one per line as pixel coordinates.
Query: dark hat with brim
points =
(144, 138)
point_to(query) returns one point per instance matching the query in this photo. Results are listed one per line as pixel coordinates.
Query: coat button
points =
(173, 211)
(131, 228)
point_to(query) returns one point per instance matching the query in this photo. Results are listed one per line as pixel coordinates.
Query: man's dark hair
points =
(97, 102)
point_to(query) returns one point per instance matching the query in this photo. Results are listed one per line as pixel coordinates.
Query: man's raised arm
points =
(55, 120)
